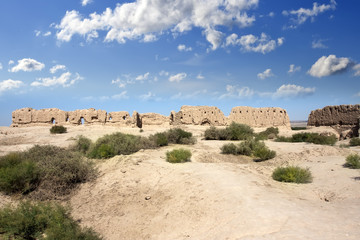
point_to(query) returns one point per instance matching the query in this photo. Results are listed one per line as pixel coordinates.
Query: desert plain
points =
(215, 196)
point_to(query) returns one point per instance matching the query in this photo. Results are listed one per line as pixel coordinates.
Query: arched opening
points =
(82, 121)
(110, 118)
(53, 121)
(205, 122)
(67, 119)
(124, 117)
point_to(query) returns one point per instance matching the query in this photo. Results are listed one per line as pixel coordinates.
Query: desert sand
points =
(215, 196)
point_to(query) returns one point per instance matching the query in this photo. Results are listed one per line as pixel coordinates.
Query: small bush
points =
(161, 139)
(115, 144)
(269, 133)
(237, 131)
(310, 138)
(298, 128)
(249, 147)
(41, 221)
(212, 133)
(82, 144)
(354, 142)
(229, 148)
(292, 174)
(178, 156)
(264, 153)
(179, 136)
(353, 161)
(18, 175)
(58, 129)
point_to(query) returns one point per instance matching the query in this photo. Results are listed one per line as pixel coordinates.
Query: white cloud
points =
(64, 80)
(357, 70)
(56, 68)
(148, 19)
(9, 84)
(122, 95)
(266, 74)
(237, 92)
(188, 96)
(301, 15)
(149, 97)
(291, 90)
(1, 66)
(27, 65)
(121, 83)
(200, 76)
(142, 77)
(326, 66)
(318, 44)
(251, 43)
(47, 34)
(85, 2)
(178, 77)
(294, 68)
(11, 62)
(37, 33)
(183, 48)
(271, 14)
(163, 73)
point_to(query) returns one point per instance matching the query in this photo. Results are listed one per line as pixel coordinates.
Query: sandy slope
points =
(213, 197)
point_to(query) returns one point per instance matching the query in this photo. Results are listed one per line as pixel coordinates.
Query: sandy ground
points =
(214, 196)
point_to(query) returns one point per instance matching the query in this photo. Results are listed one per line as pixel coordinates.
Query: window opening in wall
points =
(110, 118)
(124, 117)
(53, 121)
(82, 121)
(67, 119)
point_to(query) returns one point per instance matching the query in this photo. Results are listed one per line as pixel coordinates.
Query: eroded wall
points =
(188, 115)
(260, 117)
(343, 118)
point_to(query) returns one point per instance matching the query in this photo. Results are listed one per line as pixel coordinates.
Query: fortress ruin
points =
(343, 118)
(188, 115)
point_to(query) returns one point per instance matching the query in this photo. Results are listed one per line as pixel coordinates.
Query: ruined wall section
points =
(121, 118)
(198, 115)
(260, 117)
(40, 117)
(89, 116)
(154, 119)
(343, 118)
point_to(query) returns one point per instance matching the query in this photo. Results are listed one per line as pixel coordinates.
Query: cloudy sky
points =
(157, 55)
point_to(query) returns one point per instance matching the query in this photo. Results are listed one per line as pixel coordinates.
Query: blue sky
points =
(157, 55)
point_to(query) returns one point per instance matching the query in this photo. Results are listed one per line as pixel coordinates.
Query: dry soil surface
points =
(215, 196)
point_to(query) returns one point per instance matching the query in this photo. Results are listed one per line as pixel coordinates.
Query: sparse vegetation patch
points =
(354, 141)
(250, 147)
(178, 156)
(41, 221)
(353, 161)
(58, 129)
(292, 174)
(234, 131)
(310, 138)
(45, 172)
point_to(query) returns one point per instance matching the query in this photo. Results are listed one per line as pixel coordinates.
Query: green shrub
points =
(298, 128)
(212, 133)
(178, 156)
(310, 138)
(249, 147)
(41, 221)
(292, 174)
(269, 133)
(115, 144)
(179, 136)
(161, 139)
(58, 129)
(18, 175)
(82, 144)
(237, 131)
(60, 170)
(229, 148)
(354, 142)
(264, 153)
(353, 161)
